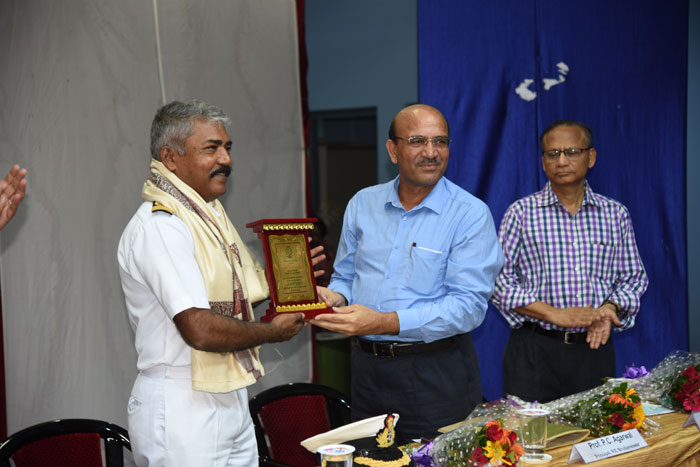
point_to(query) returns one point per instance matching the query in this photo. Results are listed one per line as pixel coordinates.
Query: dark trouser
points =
(428, 390)
(542, 368)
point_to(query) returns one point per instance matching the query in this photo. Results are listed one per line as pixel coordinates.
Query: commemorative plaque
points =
(288, 267)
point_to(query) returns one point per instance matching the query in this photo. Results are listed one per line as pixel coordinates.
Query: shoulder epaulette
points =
(159, 207)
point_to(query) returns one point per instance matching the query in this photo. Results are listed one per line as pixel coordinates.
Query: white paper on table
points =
(654, 409)
(694, 417)
(607, 446)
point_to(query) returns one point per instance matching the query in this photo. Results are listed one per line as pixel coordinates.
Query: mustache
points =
(430, 160)
(224, 169)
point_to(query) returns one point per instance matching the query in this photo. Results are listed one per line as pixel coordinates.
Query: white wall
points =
(79, 86)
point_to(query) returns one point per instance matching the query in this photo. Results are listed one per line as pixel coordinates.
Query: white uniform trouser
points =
(172, 425)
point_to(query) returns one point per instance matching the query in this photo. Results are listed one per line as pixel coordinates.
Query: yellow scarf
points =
(232, 277)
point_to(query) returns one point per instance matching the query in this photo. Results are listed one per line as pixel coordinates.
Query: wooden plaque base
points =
(288, 267)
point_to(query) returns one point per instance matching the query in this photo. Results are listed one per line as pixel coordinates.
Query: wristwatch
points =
(621, 314)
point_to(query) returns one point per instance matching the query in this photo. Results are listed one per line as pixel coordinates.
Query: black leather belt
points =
(567, 337)
(395, 349)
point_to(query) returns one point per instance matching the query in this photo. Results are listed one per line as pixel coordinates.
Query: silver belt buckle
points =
(378, 351)
(566, 336)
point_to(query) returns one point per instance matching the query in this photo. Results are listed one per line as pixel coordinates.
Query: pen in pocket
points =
(426, 249)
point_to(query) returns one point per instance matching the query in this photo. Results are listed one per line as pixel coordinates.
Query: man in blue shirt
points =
(415, 267)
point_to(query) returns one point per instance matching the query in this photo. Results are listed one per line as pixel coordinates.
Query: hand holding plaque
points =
(288, 267)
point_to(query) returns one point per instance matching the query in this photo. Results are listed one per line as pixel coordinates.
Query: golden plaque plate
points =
(288, 267)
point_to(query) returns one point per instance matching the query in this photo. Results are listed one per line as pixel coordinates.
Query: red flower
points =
(689, 387)
(512, 438)
(692, 402)
(690, 372)
(616, 419)
(477, 456)
(494, 432)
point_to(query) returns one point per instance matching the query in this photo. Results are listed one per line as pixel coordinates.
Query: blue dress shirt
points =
(434, 265)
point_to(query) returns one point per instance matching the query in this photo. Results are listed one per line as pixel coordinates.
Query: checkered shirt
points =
(568, 260)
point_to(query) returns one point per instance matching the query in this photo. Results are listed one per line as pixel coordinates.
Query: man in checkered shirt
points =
(572, 275)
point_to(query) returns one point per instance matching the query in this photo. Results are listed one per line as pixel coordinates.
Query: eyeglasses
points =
(573, 154)
(439, 142)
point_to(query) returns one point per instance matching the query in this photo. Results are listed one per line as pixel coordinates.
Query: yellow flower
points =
(640, 416)
(495, 453)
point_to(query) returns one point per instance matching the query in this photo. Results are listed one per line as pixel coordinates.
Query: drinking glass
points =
(533, 433)
(336, 455)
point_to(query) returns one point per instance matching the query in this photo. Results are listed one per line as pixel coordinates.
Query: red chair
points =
(286, 415)
(67, 443)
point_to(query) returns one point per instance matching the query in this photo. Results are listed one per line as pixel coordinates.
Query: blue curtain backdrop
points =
(501, 71)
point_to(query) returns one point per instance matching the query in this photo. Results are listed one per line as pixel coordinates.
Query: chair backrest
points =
(286, 415)
(69, 442)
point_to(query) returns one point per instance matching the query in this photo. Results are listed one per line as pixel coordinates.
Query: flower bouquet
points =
(617, 409)
(487, 437)
(674, 382)
(603, 410)
(473, 445)
(495, 445)
(685, 390)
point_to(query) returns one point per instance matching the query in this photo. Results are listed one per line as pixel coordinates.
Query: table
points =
(672, 445)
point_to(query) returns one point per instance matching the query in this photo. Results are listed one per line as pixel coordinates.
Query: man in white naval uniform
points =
(189, 283)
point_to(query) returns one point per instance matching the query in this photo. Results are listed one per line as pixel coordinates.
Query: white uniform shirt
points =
(160, 278)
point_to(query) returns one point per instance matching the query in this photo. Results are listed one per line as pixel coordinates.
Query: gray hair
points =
(587, 132)
(174, 123)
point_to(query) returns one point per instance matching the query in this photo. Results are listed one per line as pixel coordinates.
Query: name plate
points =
(607, 446)
(693, 418)
(288, 267)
